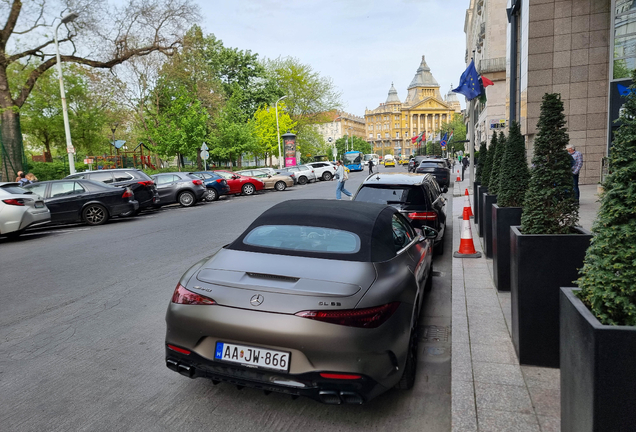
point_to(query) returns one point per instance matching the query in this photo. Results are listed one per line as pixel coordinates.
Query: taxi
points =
(389, 161)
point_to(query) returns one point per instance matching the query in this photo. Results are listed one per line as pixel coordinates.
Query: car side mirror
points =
(428, 233)
(234, 177)
(269, 176)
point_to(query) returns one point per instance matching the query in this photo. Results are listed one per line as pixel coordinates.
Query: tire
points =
(248, 189)
(211, 195)
(410, 367)
(327, 176)
(302, 180)
(186, 199)
(280, 186)
(94, 214)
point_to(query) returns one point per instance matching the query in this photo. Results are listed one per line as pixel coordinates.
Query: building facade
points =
(336, 124)
(485, 28)
(390, 126)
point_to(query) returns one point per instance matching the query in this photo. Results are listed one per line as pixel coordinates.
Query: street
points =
(82, 331)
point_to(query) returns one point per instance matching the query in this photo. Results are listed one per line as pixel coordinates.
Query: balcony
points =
(492, 65)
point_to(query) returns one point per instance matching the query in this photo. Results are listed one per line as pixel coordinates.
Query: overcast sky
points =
(363, 45)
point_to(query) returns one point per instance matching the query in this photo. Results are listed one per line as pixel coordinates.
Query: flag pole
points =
(471, 144)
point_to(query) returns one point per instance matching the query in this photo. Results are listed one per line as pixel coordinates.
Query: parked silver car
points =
(179, 187)
(20, 209)
(303, 173)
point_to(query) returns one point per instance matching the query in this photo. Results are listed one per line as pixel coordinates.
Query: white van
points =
(371, 157)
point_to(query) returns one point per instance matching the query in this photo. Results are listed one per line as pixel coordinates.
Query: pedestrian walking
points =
(371, 167)
(342, 177)
(577, 164)
(465, 163)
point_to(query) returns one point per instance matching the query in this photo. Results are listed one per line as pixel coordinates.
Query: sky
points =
(362, 45)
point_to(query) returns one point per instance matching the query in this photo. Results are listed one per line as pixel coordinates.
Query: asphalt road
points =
(82, 332)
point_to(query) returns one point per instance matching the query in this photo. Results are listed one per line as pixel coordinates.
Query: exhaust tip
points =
(351, 398)
(186, 370)
(172, 365)
(330, 397)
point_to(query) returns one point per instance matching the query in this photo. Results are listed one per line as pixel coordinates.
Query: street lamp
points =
(333, 132)
(113, 128)
(67, 129)
(280, 158)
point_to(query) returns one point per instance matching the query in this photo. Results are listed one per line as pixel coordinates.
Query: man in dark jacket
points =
(465, 163)
(371, 166)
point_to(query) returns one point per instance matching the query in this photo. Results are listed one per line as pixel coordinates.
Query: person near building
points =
(577, 164)
(20, 175)
(465, 163)
(371, 167)
(342, 177)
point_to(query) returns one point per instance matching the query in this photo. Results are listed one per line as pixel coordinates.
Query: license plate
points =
(252, 356)
(39, 204)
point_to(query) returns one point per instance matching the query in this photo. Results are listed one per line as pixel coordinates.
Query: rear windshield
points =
(391, 195)
(15, 190)
(433, 165)
(303, 238)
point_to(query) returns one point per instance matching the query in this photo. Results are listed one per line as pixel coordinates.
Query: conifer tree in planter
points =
(490, 198)
(485, 180)
(514, 176)
(483, 155)
(547, 251)
(598, 322)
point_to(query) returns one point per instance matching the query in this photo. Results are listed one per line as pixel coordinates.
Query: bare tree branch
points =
(6, 32)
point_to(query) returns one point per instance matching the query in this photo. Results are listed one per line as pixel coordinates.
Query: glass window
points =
(624, 39)
(104, 177)
(402, 235)
(122, 176)
(38, 189)
(163, 179)
(386, 134)
(378, 136)
(303, 238)
(61, 189)
(225, 175)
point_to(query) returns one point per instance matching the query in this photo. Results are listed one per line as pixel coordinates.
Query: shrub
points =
(481, 161)
(493, 184)
(514, 175)
(53, 170)
(549, 206)
(609, 271)
(485, 175)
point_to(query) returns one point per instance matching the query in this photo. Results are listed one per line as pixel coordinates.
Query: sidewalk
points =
(490, 390)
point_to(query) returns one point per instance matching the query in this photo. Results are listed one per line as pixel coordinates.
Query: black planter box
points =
(489, 200)
(483, 190)
(598, 371)
(539, 265)
(476, 195)
(502, 219)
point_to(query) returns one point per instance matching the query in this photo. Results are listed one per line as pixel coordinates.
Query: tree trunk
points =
(11, 150)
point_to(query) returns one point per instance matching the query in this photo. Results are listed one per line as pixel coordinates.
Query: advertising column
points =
(289, 142)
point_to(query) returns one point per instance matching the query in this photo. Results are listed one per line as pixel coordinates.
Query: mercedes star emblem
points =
(257, 300)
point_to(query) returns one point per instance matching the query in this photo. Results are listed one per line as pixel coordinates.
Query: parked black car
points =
(89, 201)
(138, 181)
(215, 184)
(439, 170)
(418, 197)
(179, 187)
(414, 162)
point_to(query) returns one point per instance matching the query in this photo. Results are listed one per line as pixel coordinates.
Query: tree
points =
(137, 28)
(493, 183)
(609, 270)
(458, 128)
(483, 156)
(549, 206)
(490, 156)
(344, 143)
(433, 148)
(514, 170)
(265, 131)
(232, 137)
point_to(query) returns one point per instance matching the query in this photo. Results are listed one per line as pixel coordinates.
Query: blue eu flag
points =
(469, 82)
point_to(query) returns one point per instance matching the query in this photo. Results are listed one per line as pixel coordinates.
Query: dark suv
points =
(438, 169)
(418, 197)
(141, 184)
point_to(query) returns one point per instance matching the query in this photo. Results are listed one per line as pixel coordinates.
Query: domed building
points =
(392, 124)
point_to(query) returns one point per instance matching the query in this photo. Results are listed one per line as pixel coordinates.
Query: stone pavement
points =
(490, 390)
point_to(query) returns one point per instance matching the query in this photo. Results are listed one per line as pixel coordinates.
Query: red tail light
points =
(197, 182)
(366, 318)
(423, 215)
(146, 182)
(219, 180)
(127, 194)
(184, 296)
(15, 202)
(340, 376)
(179, 350)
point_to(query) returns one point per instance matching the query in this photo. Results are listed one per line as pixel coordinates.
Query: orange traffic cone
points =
(458, 179)
(467, 206)
(466, 245)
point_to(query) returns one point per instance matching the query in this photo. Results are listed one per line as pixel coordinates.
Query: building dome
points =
(393, 96)
(423, 77)
(451, 99)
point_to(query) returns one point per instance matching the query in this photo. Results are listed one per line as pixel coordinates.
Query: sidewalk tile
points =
(503, 421)
(489, 338)
(547, 402)
(549, 424)
(501, 353)
(546, 378)
(497, 373)
(490, 302)
(461, 368)
(503, 397)
(464, 416)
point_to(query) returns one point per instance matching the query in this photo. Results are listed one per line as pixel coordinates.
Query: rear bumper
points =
(124, 208)
(311, 385)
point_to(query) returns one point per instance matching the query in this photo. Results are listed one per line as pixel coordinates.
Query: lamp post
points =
(67, 129)
(280, 155)
(113, 128)
(333, 132)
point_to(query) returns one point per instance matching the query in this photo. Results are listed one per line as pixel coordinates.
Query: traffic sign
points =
(205, 155)
(329, 139)
(204, 147)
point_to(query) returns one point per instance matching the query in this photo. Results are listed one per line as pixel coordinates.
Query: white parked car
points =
(20, 209)
(323, 170)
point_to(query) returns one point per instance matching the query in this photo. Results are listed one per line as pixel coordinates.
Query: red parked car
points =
(241, 184)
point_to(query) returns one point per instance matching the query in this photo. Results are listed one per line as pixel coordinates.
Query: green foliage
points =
(481, 156)
(458, 127)
(514, 173)
(433, 148)
(549, 206)
(232, 137)
(609, 271)
(358, 144)
(54, 170)
(311, 143)
(490, 156)
(265, 131)
(493, 184)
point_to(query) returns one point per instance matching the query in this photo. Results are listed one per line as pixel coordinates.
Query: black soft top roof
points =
(371, 222)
